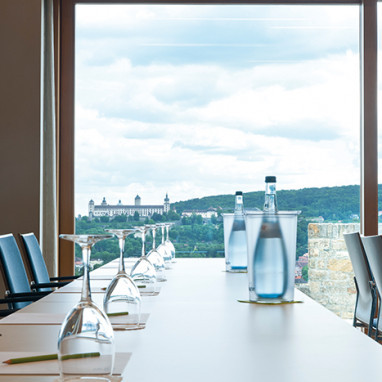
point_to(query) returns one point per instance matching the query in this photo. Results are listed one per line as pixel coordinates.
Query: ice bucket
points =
(271, 250)
(235, 252)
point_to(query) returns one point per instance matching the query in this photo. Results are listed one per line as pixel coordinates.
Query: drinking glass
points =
(168, 243)
(86, 338)
(122, 300)
(155, 257)
(163, 250)
(143, 272)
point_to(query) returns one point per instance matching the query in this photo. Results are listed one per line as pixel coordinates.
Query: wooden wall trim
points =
(369, 120)
(66, 138)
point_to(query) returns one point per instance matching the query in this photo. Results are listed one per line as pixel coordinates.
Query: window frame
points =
(368, 110)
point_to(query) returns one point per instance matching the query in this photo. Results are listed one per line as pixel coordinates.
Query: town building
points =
(205, 214)
(105, 209)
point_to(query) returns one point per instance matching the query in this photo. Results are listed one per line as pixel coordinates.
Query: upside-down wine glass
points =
(122, 300)
(86, 338)
(169, 244)
(155, 257)
(163, 250)
(143, 272)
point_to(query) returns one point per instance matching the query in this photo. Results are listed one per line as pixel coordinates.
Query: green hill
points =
(332, 203)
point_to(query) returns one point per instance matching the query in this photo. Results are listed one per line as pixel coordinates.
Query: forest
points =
(197, 237)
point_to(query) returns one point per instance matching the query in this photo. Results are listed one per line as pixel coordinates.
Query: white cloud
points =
(202, 129)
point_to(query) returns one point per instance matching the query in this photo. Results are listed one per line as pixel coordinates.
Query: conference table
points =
(198, 331)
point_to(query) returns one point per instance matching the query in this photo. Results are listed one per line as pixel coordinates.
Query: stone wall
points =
(330, 270)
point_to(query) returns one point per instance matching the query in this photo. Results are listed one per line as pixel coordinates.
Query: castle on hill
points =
(105, 209)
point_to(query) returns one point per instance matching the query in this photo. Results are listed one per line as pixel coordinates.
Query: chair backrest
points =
(363, 276)
(36, 260)
(373, 250)
(16, 278)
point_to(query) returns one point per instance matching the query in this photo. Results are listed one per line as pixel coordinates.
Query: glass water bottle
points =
(237, 244)
(270, 259)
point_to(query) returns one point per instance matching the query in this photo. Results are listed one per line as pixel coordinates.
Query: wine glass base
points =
(85, 378)
(129, 327)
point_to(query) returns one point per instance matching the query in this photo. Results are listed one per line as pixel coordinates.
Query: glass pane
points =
(199, 101)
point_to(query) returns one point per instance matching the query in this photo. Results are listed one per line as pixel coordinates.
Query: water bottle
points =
(237, 244)
(270, 259)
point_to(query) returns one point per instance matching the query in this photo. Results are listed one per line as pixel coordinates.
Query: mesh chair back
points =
(36, 260)
(365, 299)
(373, 250)
(16, 278)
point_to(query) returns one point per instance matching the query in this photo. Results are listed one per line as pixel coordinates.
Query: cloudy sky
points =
(205, 100)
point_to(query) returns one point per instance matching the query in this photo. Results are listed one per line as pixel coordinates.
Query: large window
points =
(199, 101)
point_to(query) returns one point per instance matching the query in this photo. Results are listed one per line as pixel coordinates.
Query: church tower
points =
(91, 209)
(137, 200)
(166, 205)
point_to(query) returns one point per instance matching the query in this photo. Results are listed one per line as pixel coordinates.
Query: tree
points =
(305, 272)
(104, 219)
(136, 216)
(120, 218)
(157, 217)
(172, 216)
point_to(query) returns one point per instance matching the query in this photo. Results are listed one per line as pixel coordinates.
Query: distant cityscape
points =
(144, 211)
(111, 210)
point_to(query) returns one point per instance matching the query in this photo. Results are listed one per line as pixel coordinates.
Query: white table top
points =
(198, 332)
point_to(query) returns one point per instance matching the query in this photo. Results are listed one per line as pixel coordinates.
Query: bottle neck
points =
(239, 204)
(270, 204)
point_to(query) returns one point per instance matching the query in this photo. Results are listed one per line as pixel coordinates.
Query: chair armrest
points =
(12, 300)
(35, 295)
(49, 285)
(7, 312)
(62, 278)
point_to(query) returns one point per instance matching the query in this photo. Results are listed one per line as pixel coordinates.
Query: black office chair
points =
(19, 293)
(41, 280)
(373, 250)
(366, 300)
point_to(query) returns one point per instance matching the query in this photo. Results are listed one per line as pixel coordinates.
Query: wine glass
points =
(163, 250)
(155, 257)
(86, 338)
(168, 243)
(143, 272)
(122, 300)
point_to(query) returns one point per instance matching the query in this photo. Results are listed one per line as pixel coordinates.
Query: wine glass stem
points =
(85, 293)
(121, 267)
(154, 238)
(162, 234)
(167, 233)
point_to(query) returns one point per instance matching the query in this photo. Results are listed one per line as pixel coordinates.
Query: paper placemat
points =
(21, 318)
(49, 367)
(55, 319)
(145, 290)
(107, 276)
(129, 319)
(78, 289)
(101, 276)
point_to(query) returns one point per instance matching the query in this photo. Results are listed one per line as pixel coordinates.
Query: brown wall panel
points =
(20, 25)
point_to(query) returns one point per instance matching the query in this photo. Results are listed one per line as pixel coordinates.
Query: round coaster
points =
(271, 302)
